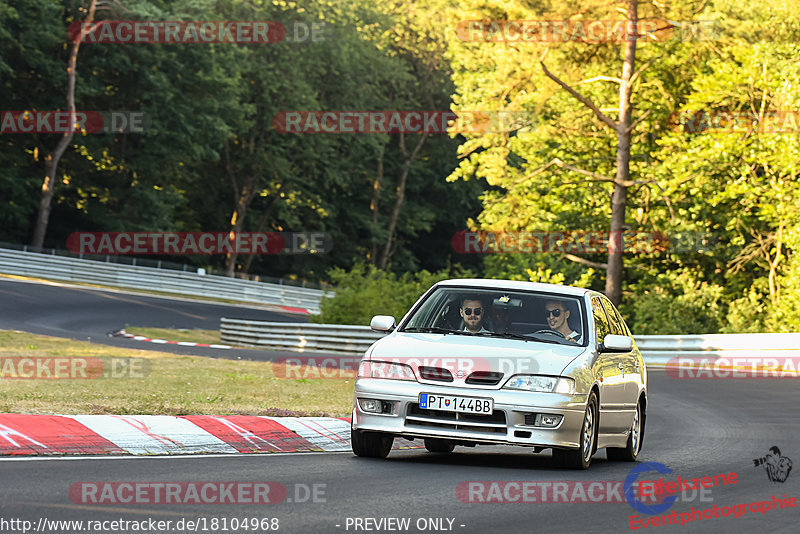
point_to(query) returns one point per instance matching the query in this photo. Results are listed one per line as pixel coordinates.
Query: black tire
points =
(581, 458)
(439, 445)
(630, 452)
(371, 444)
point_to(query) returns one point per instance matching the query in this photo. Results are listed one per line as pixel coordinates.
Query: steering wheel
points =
(546, 331)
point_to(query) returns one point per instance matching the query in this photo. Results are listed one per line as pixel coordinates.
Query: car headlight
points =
(539, 383)
(392, 371)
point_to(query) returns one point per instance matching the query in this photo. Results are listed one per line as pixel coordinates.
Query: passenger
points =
(500, 316)
(472, 313)
(557, 317)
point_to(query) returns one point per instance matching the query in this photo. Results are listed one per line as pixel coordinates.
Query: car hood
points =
(469, 354)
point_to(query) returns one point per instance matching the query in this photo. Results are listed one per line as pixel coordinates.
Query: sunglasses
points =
(468, 311)
(554, 313)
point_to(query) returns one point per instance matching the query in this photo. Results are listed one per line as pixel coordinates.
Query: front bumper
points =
(507, 424)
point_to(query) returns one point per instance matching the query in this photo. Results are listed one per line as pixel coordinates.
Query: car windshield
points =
(524, 315)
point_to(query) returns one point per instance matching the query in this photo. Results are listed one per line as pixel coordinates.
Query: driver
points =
(472, 312)
(556, 316)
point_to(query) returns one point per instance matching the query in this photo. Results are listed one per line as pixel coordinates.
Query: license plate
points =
(450, 403)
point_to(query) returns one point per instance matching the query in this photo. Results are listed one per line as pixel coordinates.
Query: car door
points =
(627, 362)
(612, 390)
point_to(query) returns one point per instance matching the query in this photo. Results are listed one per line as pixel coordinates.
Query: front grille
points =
(435, 373)
(494, 423)
(484, 378)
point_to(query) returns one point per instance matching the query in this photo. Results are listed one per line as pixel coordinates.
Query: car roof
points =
(490, 283)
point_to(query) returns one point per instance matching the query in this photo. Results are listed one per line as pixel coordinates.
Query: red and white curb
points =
(290, 309)
(123, 333)
(22, 434)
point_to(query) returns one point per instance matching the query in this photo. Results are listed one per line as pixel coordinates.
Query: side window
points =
(600, 320)
(616, 325)
(622, 322)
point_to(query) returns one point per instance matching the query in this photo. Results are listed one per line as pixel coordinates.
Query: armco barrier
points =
(656, 350)
(149, 278)
(298, 336)
(659, 349)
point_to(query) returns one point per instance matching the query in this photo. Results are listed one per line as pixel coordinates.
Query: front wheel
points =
(581, 458)
(631, 451)
(370, 444)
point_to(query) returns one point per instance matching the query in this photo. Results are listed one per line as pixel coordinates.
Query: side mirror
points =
(616, 343)
(382, 323)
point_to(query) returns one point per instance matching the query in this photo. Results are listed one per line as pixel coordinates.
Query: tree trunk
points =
(52, 159)
(241, 200)
(262, 221)
(401, 194)
(237, 222)
(619, 198)
(374, 205)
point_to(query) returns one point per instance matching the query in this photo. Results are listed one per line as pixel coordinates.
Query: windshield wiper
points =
(508, 335)
(430, 330)
(544, 340)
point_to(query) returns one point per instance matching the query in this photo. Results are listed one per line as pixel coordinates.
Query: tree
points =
(553, 171)
(51, 159)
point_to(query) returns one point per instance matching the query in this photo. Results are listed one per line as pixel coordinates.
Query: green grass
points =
(166, 384)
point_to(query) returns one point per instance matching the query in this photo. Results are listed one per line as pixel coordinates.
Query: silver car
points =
(504, 362)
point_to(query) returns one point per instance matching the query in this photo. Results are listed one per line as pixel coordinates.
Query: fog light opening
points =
(548, 420)
(370, 405)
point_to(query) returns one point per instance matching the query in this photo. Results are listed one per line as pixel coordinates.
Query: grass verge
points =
(156, 383)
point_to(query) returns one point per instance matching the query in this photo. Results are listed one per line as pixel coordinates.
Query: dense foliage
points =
(365, 291)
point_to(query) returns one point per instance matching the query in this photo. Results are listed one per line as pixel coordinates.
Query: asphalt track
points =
(89, 314)
(695, 427)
